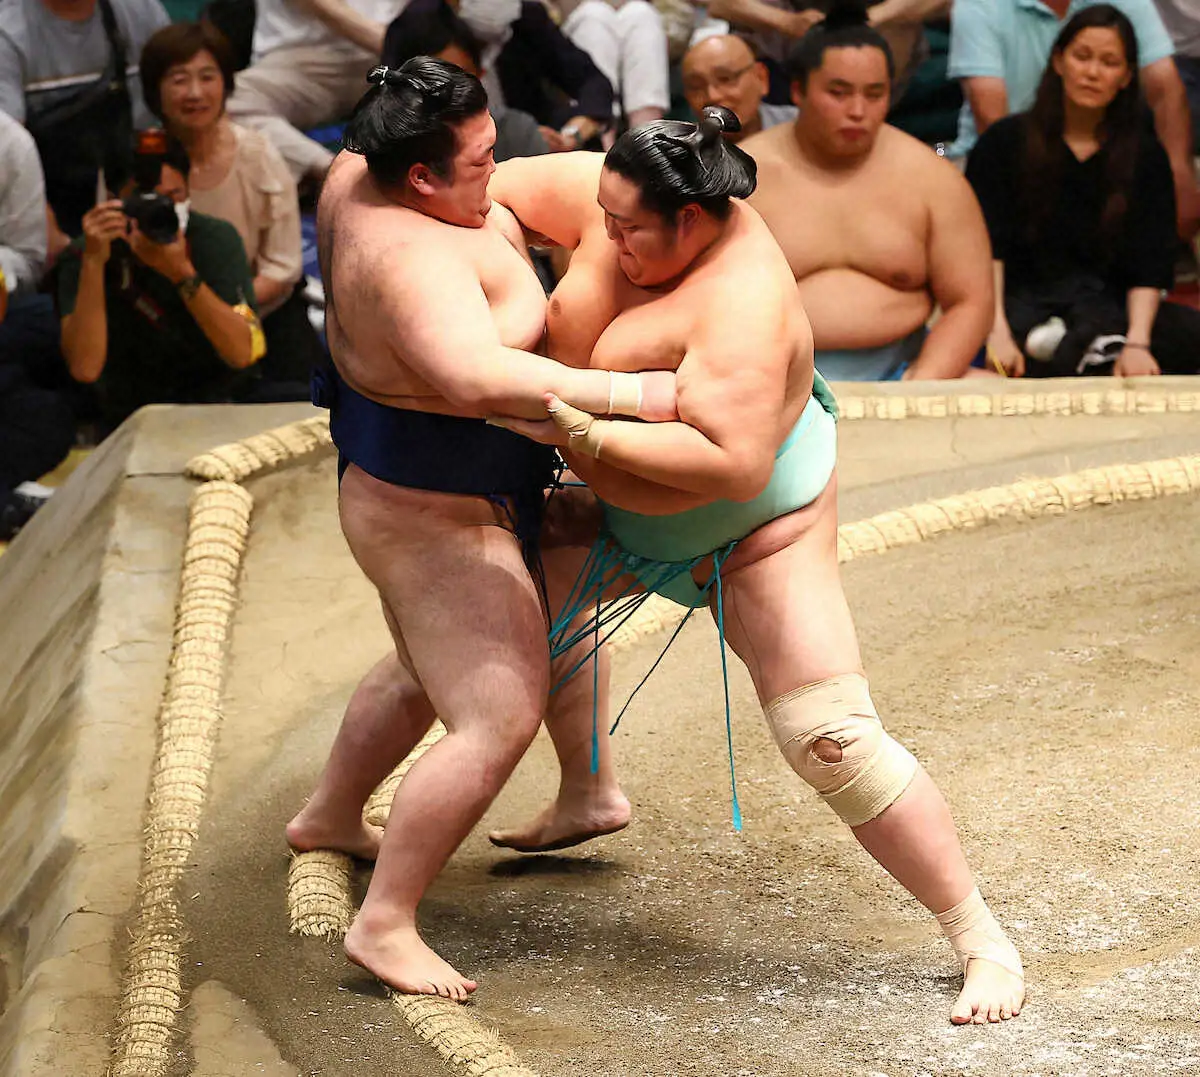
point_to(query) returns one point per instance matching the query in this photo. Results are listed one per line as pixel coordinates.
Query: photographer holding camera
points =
(157, 304)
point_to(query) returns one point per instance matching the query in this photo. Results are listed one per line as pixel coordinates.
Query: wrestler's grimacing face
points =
(845, 102)
(461, 198)
(648, 250)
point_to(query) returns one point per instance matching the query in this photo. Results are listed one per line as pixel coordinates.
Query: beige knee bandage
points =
(873, 770)
(974, 932)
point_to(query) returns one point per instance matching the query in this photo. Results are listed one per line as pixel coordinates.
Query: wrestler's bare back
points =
(361, 238)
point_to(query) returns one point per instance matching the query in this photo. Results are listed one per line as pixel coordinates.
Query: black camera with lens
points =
(154, 212)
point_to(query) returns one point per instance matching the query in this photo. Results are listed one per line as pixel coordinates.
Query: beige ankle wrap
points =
(974, 933)
(873, 770)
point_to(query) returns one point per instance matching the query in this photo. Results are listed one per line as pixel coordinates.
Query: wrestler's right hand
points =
(101, 225)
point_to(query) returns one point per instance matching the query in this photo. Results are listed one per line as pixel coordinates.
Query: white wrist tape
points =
(624, 394)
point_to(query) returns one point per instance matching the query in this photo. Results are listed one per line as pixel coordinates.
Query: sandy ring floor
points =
(1024, 501)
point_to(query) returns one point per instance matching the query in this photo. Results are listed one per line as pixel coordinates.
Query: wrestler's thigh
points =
(463, 606)
(786, 615)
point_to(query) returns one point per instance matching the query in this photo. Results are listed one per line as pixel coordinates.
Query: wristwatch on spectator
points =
(573, 132)
(188, 287)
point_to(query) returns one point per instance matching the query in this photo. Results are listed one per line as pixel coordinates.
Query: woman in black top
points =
(1080, 206)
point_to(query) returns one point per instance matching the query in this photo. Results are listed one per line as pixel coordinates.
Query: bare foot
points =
(309, 831)
(562, 825)
(404, 963)
(989, 993)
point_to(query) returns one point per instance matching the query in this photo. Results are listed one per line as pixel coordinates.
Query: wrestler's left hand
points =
(568, 428)
(543, 431)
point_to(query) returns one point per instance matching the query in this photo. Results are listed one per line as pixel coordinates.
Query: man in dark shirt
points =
(157, 323)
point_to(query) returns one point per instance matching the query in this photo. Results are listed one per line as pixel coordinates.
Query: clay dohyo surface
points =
(1045, 673)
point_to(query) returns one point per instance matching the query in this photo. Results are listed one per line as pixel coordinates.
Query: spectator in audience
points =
(776, 24)
(999, 49)
(876, 227)
(443, 35)
(1182, 19)
(36, 421)
(627, 41)
(1079, 202)
(166, 322)
(679, 19)
(526, 62)
(535, 60)
(723, 70)
(305, 73)
(239, 177)
(68, 71)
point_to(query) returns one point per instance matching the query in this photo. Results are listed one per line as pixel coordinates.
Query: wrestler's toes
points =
(962, 1011)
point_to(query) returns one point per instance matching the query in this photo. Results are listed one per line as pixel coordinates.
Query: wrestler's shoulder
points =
(904, 157)
(767, 145)
(771, 150)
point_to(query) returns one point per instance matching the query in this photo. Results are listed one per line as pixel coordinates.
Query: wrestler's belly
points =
(850, 309)
(802, 470)
(634, 494)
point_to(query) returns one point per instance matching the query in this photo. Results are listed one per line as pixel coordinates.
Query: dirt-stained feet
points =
(309, 830)
(563, 825)
(989, 993)
(400, 958)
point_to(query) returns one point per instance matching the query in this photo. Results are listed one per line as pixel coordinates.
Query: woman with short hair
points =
(238, 176)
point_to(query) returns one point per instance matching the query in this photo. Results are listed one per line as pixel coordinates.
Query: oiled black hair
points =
(409, 116)
(675, 164)
(846, 26)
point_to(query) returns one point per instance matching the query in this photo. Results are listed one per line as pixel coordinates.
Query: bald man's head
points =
(723, 70)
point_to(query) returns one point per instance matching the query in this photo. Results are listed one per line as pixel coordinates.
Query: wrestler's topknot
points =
(408, 117)
(843, 13)
(676, 163)
(846, 26)
(715, 120)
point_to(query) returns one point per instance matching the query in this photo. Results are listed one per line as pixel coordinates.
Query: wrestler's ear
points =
(797, 93)
(421, 180)
(687, 218)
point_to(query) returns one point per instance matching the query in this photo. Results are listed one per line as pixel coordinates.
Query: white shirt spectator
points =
(282, 24)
